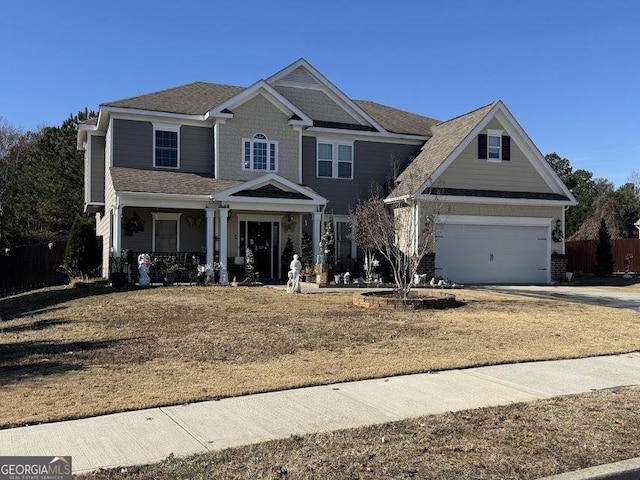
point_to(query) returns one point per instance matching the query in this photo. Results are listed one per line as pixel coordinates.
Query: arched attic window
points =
(259, 154)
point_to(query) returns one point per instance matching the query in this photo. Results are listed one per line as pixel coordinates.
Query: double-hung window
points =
(493, 146)
(259, 153)
(335, 159)
(166, 146)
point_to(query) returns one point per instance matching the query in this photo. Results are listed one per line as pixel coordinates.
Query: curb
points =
(624, 470)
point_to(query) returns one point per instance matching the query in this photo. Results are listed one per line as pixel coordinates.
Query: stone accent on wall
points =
(427, 266)
(558, 268)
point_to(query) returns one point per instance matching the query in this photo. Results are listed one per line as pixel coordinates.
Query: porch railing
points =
(187, 263)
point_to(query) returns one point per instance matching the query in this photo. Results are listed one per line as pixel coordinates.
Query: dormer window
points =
(259, 153)
(494, 147)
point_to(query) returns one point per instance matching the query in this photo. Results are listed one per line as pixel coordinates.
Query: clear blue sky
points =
(568, 70)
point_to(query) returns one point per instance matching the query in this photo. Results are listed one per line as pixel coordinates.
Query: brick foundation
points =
(558, 268)
(427, 266)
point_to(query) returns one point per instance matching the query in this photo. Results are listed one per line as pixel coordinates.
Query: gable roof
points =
(198, 98)
(195, 98)
(446, 136)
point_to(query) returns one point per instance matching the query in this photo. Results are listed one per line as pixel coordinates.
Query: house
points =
(207, 170)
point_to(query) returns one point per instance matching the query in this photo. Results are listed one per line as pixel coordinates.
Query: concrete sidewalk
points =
(150, 435)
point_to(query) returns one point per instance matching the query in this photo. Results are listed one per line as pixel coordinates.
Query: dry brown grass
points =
(83, 352)
(519, 441)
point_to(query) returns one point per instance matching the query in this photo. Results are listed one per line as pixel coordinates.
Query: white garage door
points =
(492, 254)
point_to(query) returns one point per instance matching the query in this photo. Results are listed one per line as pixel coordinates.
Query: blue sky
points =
(568, 70)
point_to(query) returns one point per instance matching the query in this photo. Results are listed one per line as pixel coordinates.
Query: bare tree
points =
(10, 138)
(399, 233)
(635, 179)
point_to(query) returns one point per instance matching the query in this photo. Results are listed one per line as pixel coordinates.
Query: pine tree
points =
(306, 250)
(604, 253)
(328, 245)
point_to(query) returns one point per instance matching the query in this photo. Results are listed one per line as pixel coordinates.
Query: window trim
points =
(166, 127)
(165, 216)
(335, 161)
(494, 133)
(270, 144)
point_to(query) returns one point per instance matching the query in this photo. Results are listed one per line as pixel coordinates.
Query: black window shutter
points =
(506, 148)
(482, 145)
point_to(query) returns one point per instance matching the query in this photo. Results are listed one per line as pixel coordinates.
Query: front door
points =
(262, 238)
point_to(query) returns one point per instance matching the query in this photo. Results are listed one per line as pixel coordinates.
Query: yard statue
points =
(293, 284)
(143, 269)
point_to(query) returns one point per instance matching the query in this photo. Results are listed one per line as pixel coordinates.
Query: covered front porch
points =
(262, 214)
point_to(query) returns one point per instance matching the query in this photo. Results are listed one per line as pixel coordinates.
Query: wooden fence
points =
(30, 267)
(581, 254)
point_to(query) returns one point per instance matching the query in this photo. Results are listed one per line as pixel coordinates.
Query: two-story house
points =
(213, 169)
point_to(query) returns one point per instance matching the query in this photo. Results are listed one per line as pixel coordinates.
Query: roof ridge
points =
(395, 108)
(468, 113)
(163, 90)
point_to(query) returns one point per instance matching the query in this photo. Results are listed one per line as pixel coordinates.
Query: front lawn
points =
(76, 353)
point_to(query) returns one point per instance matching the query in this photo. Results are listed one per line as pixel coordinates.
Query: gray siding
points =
(133, 146)
(372, 166)
(97, 169)
(196, 150)
(192, 238)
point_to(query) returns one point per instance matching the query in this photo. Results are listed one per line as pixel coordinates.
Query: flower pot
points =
(170, 278)
(118, 279)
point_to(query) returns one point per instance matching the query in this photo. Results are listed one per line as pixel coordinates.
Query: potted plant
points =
(172, 270)
(117, 270)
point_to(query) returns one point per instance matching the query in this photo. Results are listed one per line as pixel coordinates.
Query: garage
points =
(494, 253)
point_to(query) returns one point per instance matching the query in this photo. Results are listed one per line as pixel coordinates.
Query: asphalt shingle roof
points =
(195, 98)
(198, 98)
(397, 121)
(446, 137)
(163, 181)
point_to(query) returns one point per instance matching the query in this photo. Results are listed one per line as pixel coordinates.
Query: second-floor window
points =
(166, 146)
(335, 159)
(259, 153)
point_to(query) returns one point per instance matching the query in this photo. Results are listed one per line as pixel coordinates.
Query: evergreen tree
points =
(44, 191)
(82, 252)
(287, 255)
(306, 251)
(604, 254)
(249, 267)
(328, 245)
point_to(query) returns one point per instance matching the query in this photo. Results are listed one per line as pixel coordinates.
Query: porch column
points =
(317, 217)
(211, 215)
(117, 230)
(224, 271)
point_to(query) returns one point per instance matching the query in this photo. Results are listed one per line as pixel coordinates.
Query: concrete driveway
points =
(616, 297)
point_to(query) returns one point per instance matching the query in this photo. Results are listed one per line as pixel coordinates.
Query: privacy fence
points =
(30, 267)
(581, 254)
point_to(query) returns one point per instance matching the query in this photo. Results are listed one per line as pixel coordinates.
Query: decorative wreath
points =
(557, 235)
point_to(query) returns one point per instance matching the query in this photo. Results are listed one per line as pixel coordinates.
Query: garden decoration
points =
(144, 262)
(293, 284)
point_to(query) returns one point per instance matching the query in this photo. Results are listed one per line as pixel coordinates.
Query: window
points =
(335, 160)
(166, 232)
(494, 147)
(166, 146)
(259, 153)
